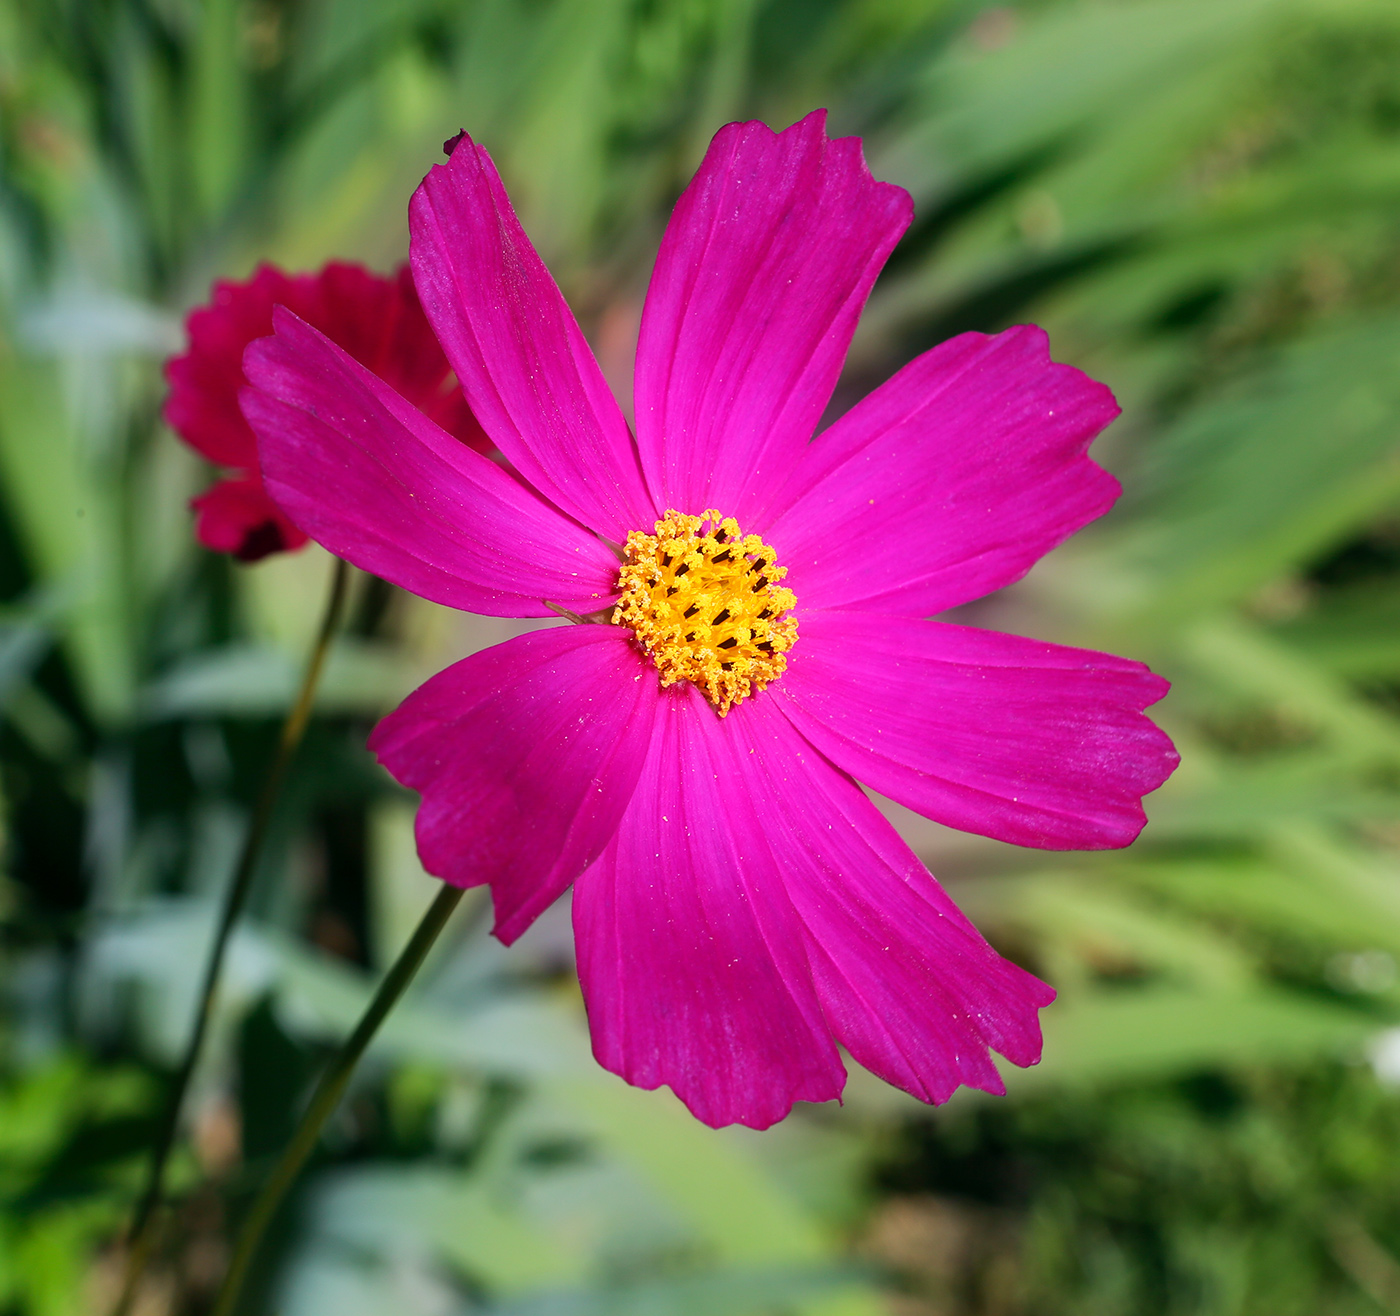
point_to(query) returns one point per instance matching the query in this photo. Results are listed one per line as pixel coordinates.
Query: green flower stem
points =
(328, 1093)
(143, 1225)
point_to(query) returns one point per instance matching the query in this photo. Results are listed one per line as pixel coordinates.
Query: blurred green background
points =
(1200, 199)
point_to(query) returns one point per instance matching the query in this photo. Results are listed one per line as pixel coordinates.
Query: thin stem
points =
(142, 1233)
(327, 1096)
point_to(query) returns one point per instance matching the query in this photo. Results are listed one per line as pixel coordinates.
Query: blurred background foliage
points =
(1200, 199)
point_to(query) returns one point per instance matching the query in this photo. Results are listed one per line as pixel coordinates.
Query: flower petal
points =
(373, 479)
(202, 407)
(526, 755)
(910, 987)
(948, 481)
(766, 263)
(376, 319)
(528, 373)
(690, 959)
(239, 517)
(381, 324)
(1028, 742)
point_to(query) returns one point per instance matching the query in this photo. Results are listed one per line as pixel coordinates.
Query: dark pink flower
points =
(377, 320)
(740, 906)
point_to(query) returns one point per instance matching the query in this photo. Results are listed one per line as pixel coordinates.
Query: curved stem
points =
(143, 1231)
(327, 1096)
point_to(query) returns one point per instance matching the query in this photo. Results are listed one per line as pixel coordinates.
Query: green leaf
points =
(70, 520)
(1112, 1036)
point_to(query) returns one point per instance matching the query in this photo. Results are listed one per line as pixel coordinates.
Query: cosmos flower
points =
(377, 320)
(756, 635)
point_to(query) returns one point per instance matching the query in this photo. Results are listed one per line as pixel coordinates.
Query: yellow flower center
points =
(704, 602)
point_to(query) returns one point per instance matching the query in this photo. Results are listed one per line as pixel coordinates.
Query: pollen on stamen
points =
(704, 603)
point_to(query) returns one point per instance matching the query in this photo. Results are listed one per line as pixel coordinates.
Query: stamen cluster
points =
(704, 603)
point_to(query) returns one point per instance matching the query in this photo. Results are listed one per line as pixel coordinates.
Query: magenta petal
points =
(908, 984)
(368, 475)
(525, 755)
(949, 481)
(1028, 742)
(521, 358)
(691, 960)
(766, 263)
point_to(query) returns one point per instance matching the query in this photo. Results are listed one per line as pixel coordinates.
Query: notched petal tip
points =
(907, 984)
(989, 432)
(741, 1109)
(1030, 743)
(1104, 400)
(810, 130)
(523, 362)
(766, 263)
(690, 955)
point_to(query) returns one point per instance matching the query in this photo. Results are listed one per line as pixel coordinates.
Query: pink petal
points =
(239, 517)
(766, 263)
(948, 481)
(373, 479)
(690, 958)
(526, 755)
(908, 984)
(1028, 742)
(381, 324)
(377, 320)
(523, 362)
(202, 407)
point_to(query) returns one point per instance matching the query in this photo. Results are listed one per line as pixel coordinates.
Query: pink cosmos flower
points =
(689, 763)
(377, 320)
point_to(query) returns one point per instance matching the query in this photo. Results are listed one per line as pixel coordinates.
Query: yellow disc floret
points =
(704, 602)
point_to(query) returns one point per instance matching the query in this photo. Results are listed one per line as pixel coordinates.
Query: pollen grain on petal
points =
(704, 602)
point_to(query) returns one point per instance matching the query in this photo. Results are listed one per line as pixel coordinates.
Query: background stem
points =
(143, 1231)
(328, 1093)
